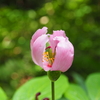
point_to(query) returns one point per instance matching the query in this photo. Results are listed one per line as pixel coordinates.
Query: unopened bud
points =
(53, 75)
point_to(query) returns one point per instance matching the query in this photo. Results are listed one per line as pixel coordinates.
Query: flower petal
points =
(38, 48)
(45, 66)
(64, 56)
(59, 33)
(38, 33)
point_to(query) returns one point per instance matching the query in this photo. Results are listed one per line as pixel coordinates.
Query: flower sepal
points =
(53, 75)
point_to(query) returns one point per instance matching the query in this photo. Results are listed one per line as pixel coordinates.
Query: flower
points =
(52, 52)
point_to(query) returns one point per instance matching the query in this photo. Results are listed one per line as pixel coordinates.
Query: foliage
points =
(34, 86)
(70, 91)
(2, 95)
(75, 92)
(93, 86)
(79, 18)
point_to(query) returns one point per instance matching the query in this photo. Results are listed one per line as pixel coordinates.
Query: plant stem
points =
(36, 96)
(53, 92)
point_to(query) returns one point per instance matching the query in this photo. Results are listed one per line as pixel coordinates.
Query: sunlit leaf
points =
(93, 86)
(79, 80)
(75, 92)
(42, 85)
(2, 95)
(63, 99)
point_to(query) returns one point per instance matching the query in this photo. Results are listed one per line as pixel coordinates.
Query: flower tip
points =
(36, 96)
(45, 28)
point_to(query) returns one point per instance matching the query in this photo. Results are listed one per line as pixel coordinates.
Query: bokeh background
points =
(19, 19)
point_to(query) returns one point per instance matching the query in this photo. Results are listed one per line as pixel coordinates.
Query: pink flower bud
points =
(57, 56)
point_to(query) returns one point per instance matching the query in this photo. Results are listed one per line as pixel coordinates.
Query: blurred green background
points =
(19, 19)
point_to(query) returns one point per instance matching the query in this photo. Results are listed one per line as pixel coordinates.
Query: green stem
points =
(53, 92)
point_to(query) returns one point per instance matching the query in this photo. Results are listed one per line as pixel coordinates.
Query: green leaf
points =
(63, 99)
(93, 86)
(42, 85)
(2, 95)
(75, 92)
(79, 80)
